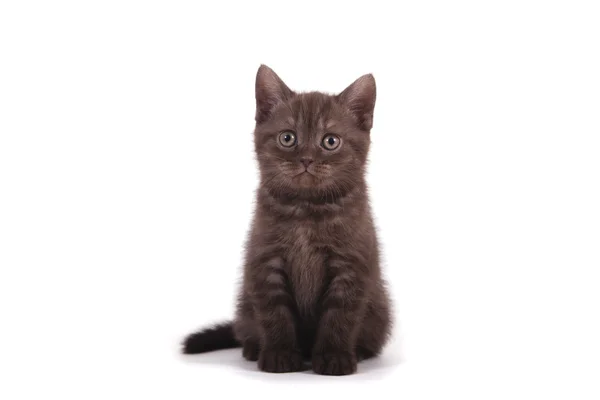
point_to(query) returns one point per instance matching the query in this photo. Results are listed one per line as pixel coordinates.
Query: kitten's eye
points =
(331, 142)
(287, 139)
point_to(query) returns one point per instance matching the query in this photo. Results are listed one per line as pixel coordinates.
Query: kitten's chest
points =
(306, 264)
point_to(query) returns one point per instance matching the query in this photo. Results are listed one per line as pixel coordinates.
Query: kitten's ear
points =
(359, 98)
(270, 91)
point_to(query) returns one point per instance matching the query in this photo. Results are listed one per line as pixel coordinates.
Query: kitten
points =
(312, 286)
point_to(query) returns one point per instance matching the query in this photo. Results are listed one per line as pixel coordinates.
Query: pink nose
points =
(306, 161)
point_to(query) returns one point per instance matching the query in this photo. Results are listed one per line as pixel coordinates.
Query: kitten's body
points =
(312, 284)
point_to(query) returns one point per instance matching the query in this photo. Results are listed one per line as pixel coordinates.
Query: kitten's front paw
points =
(280, 361)
(334, 363)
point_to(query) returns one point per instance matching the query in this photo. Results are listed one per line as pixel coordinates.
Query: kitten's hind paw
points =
(334, 363)
(250, 351)
(280, 361)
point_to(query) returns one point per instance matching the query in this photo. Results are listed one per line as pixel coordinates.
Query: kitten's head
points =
(312, 145)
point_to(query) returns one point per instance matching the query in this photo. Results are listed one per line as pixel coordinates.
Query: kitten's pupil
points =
(331, 141)
(287, 138)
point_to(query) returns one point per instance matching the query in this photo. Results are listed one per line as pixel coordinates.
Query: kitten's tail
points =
(217, 337)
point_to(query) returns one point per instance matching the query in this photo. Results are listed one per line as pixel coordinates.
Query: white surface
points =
(127, 178)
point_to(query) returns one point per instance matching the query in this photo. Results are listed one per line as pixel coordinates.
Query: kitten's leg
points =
(375, 329)
(245, 328)
(343, 307)
(274, 307)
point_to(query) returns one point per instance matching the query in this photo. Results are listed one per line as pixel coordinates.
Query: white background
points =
(127, 181)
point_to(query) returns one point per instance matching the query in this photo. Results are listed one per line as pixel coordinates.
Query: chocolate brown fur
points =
(312, 285)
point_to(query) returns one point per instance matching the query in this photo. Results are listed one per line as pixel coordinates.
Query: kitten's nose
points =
(306, 161)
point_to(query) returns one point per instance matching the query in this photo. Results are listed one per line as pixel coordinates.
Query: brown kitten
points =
(312, 286)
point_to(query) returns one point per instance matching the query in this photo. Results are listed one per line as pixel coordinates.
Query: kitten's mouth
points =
(305, 178)
(303, 173)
